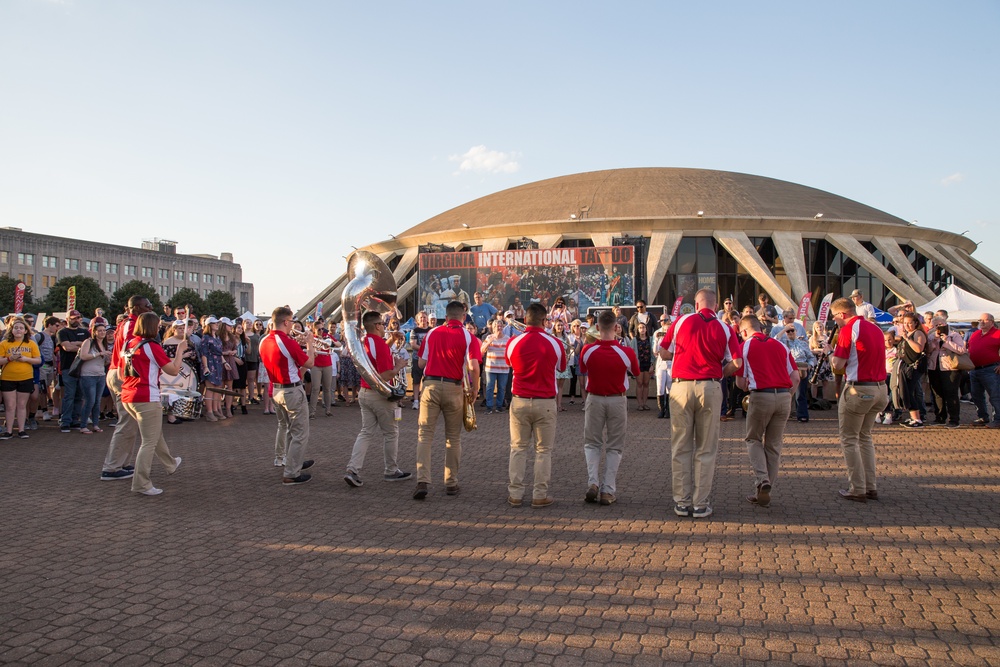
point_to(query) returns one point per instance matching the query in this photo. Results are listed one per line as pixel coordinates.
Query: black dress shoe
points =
(421, 491)
(452, 490)
(308, 463)
(871, 495)
(858, 498)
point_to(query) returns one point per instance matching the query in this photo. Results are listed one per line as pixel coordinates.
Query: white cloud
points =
(479, 159)
(957, 177)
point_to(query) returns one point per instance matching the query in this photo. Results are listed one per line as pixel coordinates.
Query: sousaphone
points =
(370, 287)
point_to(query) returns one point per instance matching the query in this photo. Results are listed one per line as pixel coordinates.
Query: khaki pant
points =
(290, 442)
(610, 414)
(377, 419)
(531, 416)
(856, 411)
(149, 418)
(440, 398)
(766, 420)
(123, 439)
(694, 439)
(321, 376)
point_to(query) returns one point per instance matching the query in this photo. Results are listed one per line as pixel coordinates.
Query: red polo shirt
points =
(146, 361)
(534, 358)
(282, 357)
(378, 353)
(863, 345)
(607, 365)
(767, 364)
(701, 344)
(123, 336)
(984, 349)
(444, 349)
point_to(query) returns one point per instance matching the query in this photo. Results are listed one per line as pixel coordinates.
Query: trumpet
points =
(319, 344)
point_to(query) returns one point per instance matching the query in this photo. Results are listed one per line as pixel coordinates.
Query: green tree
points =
(89, 296)
(119, 300)
(221, 304)
(7, 287)
(186, 296)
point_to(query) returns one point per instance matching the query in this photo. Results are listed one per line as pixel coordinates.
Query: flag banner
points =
(71, 298)
(824, 308)
(19, 298)
(804, 305)
(675, 313)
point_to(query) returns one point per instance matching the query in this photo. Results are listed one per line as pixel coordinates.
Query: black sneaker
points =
(682, 510)
(129, 468)
(308, 463)
(979, 422)
(951, 425)
(353, 479)
(421, 491)
(117, 474)
(398, 476)
(291, 481)
(6, 435)
(23, 435)
(701, 512)
(64, 429)
(913, 423)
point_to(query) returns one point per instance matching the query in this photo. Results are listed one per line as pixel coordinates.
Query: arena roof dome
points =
(653, 193)
(740, 233)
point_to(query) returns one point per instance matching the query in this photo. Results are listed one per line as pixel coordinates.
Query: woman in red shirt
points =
(141, 399)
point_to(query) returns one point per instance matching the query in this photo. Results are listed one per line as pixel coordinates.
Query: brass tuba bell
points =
(370, 287)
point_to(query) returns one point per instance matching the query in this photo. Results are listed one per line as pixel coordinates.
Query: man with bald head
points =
(704, 350)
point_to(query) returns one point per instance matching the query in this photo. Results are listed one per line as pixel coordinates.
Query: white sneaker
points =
(888, 419)
(416, 405)
(152, 491)
(279, 462)
(177, 460)
(46, 417)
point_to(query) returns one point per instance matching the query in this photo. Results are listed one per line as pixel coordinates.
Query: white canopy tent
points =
(962, 306)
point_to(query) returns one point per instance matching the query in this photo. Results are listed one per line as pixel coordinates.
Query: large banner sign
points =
(513, 279)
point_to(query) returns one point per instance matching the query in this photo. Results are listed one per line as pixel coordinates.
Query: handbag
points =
(960, 362)
(76, 368)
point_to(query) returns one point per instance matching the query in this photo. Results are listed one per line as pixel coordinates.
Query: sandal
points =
(86, 431)
(97, 430)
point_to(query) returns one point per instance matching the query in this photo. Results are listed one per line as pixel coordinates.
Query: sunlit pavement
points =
(229, 567)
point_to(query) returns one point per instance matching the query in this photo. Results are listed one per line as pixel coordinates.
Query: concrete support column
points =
(891, 250)
(743, 251)
(851, 247)
(406, 263)
(967, 273)
(789, 247)
(662, 248)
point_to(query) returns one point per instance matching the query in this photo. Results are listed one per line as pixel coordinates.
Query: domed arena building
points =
(688, 228)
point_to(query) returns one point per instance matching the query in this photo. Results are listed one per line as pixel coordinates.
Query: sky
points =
(286, 132)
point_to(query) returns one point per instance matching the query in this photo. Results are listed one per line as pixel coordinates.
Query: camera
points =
(942, 330)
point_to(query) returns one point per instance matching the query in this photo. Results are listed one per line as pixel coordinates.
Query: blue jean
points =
(802, 400)
(986, 381)
(498, 382)
(72, 400)
(92, 388)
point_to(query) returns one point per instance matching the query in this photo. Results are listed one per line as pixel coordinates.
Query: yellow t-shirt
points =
(16, 371)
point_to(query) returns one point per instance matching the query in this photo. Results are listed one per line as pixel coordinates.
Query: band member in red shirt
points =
(377, 413)
(443, 356)
(534, 357)
(770, 374)
(607, 366)
(282, 358)
(140, 397)
(984, 350)
(704, 350)
(860, 353)
(123, 439)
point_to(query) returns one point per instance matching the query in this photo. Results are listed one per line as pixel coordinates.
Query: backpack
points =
(127, 369)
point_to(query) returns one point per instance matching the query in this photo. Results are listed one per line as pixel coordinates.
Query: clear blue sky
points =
(287, 131)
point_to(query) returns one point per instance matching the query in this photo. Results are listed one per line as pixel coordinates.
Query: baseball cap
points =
(212, 320)
(74, 313)
(855, 293)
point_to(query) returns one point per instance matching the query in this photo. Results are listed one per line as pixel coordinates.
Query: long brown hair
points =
(147, 326)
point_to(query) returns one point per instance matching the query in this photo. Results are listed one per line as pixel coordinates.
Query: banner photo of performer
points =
(514, 279)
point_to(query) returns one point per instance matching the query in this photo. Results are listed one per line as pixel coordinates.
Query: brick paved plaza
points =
(228, 567)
